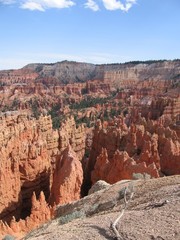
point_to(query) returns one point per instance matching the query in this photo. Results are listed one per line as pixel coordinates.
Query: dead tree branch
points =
(114, 224)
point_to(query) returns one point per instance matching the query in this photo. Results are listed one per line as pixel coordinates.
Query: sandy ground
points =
(152, 214)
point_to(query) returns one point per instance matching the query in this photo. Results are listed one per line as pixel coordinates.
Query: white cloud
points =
(118, 5)
(42, 5)
(92, 5)
(32, 6)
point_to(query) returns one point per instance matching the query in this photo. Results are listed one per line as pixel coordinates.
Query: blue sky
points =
(96, 31)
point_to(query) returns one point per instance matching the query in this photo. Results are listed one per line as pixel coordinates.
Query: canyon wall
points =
(119, 152)
(30, 150)
(144, 74)
(41, 212)
(70, 72)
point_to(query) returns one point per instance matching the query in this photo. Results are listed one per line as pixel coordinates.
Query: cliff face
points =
(143, 75)
(67, 178)
(120, 167)
(75, 136)
(65, 72)
(25, 157)
(146, 148)
(40, 213)
(30, 151)
(161, 106)
(70, 72)
(18, 76)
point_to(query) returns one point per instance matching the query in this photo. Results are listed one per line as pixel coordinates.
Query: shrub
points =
(8, 237)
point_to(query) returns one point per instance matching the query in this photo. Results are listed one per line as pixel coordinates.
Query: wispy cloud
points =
(118, 5)
(42, 5)
(92, 5)
(32, 6)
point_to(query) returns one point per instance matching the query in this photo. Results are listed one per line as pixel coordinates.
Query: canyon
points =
(65, 126)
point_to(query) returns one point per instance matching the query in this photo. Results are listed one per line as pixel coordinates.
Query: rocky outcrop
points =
(25, 164)
(120, 167)
(162, 106)
(144, 74)
(118, 152)
(99, 185)
(142, 145)
(23, 76)
(170, 163)
(75, 136)
(65, 72)
(40, 213)
(35, 95)
(67, 178)
(173, 108)
(30, 150)
(97, 86)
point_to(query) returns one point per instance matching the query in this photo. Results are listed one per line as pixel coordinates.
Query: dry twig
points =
(114, 224)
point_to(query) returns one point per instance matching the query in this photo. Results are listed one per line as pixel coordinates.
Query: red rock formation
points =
(146, 147)
(143, 75)
(97, 86)
(121, 166)
(36, 158)
(150, 152)
(29, 151)
(25, 165)
(170, 157)
(67, 178)
(75, 136)
(21, 90)
(40, 213)
(18, 76)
